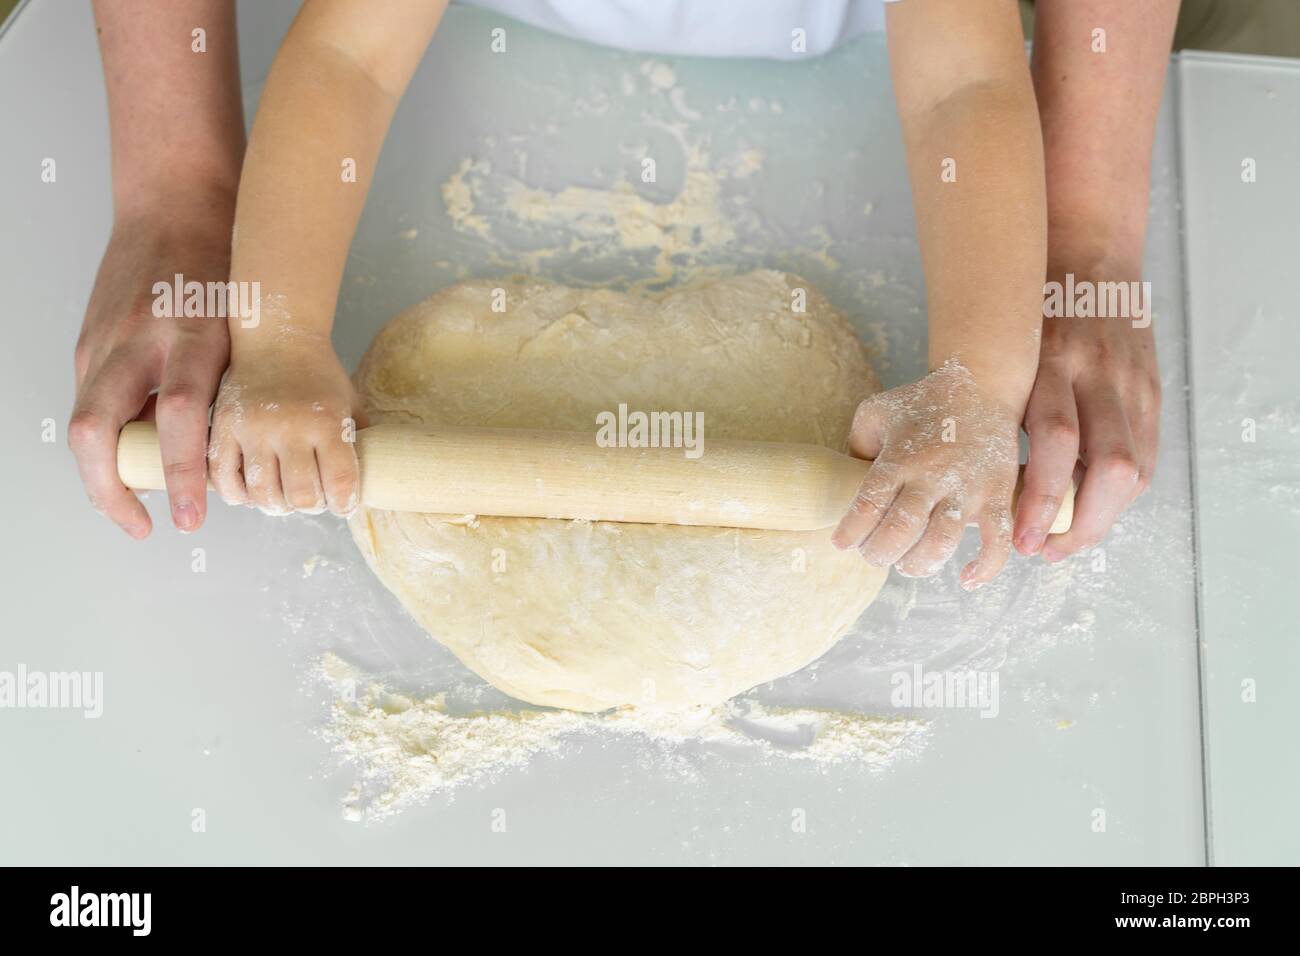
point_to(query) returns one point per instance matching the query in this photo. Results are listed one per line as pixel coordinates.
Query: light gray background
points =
(208, 698)
(1242, 247)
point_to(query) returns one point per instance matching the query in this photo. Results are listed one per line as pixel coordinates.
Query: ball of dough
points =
(594, 615)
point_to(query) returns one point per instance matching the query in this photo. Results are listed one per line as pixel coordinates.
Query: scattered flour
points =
(407, 748)
(534, 229)
(660, 75)
(589, 221)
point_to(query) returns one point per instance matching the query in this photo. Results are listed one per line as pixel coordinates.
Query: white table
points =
(207, 699)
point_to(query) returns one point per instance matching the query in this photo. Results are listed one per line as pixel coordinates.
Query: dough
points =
(590, 616)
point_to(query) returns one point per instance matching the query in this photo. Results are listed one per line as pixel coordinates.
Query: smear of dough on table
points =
(687, 226)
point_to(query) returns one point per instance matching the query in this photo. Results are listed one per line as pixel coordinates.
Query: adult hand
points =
(125, 354)
(1094, 415)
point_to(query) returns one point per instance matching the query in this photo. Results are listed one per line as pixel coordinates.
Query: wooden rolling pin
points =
(552, 474)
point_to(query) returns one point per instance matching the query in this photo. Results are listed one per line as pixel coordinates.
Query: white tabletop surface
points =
(208, 702)
(1240, 142)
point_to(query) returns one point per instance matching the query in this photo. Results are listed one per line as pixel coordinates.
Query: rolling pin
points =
(554, 474)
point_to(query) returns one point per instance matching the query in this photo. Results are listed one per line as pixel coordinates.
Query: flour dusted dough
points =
(593, 615)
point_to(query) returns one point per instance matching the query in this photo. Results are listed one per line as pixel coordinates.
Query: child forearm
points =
(983, 235)
(310, 161)
(285, 419)
(312, 155)
(975, 160)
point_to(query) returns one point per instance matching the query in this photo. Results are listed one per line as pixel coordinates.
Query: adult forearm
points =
(1099, 69)
(175, 108)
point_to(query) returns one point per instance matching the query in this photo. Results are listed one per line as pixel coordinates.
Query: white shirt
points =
(741, 28)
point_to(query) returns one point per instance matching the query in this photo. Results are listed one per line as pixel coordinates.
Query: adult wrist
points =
(1094, 253)
(184, 203)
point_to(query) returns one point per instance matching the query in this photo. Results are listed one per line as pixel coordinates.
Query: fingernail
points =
(1031, 541)
(186, 515)
(968, 582)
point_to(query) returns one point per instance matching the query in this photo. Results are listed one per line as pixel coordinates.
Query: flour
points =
(590, 221)
(1266, 464)
(661, 75)
(458, 198)
(407, 748)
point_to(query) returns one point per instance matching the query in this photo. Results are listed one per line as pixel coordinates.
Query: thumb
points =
(867, 434)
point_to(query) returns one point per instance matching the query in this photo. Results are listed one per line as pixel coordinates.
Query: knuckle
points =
(325, 427)
(257, 477)
(1057, 427)
(863, 506)
(1045, 501)
(1096, 353)
(1119, 465)
(999, 500)
(224, 459)
(185, 468)
(341, 482)
(178, 399)
(84, 427)
(904, 519)
(140, 313)
(946, 539)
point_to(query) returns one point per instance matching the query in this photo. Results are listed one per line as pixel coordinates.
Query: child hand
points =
(283, 429)
(944, 454)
